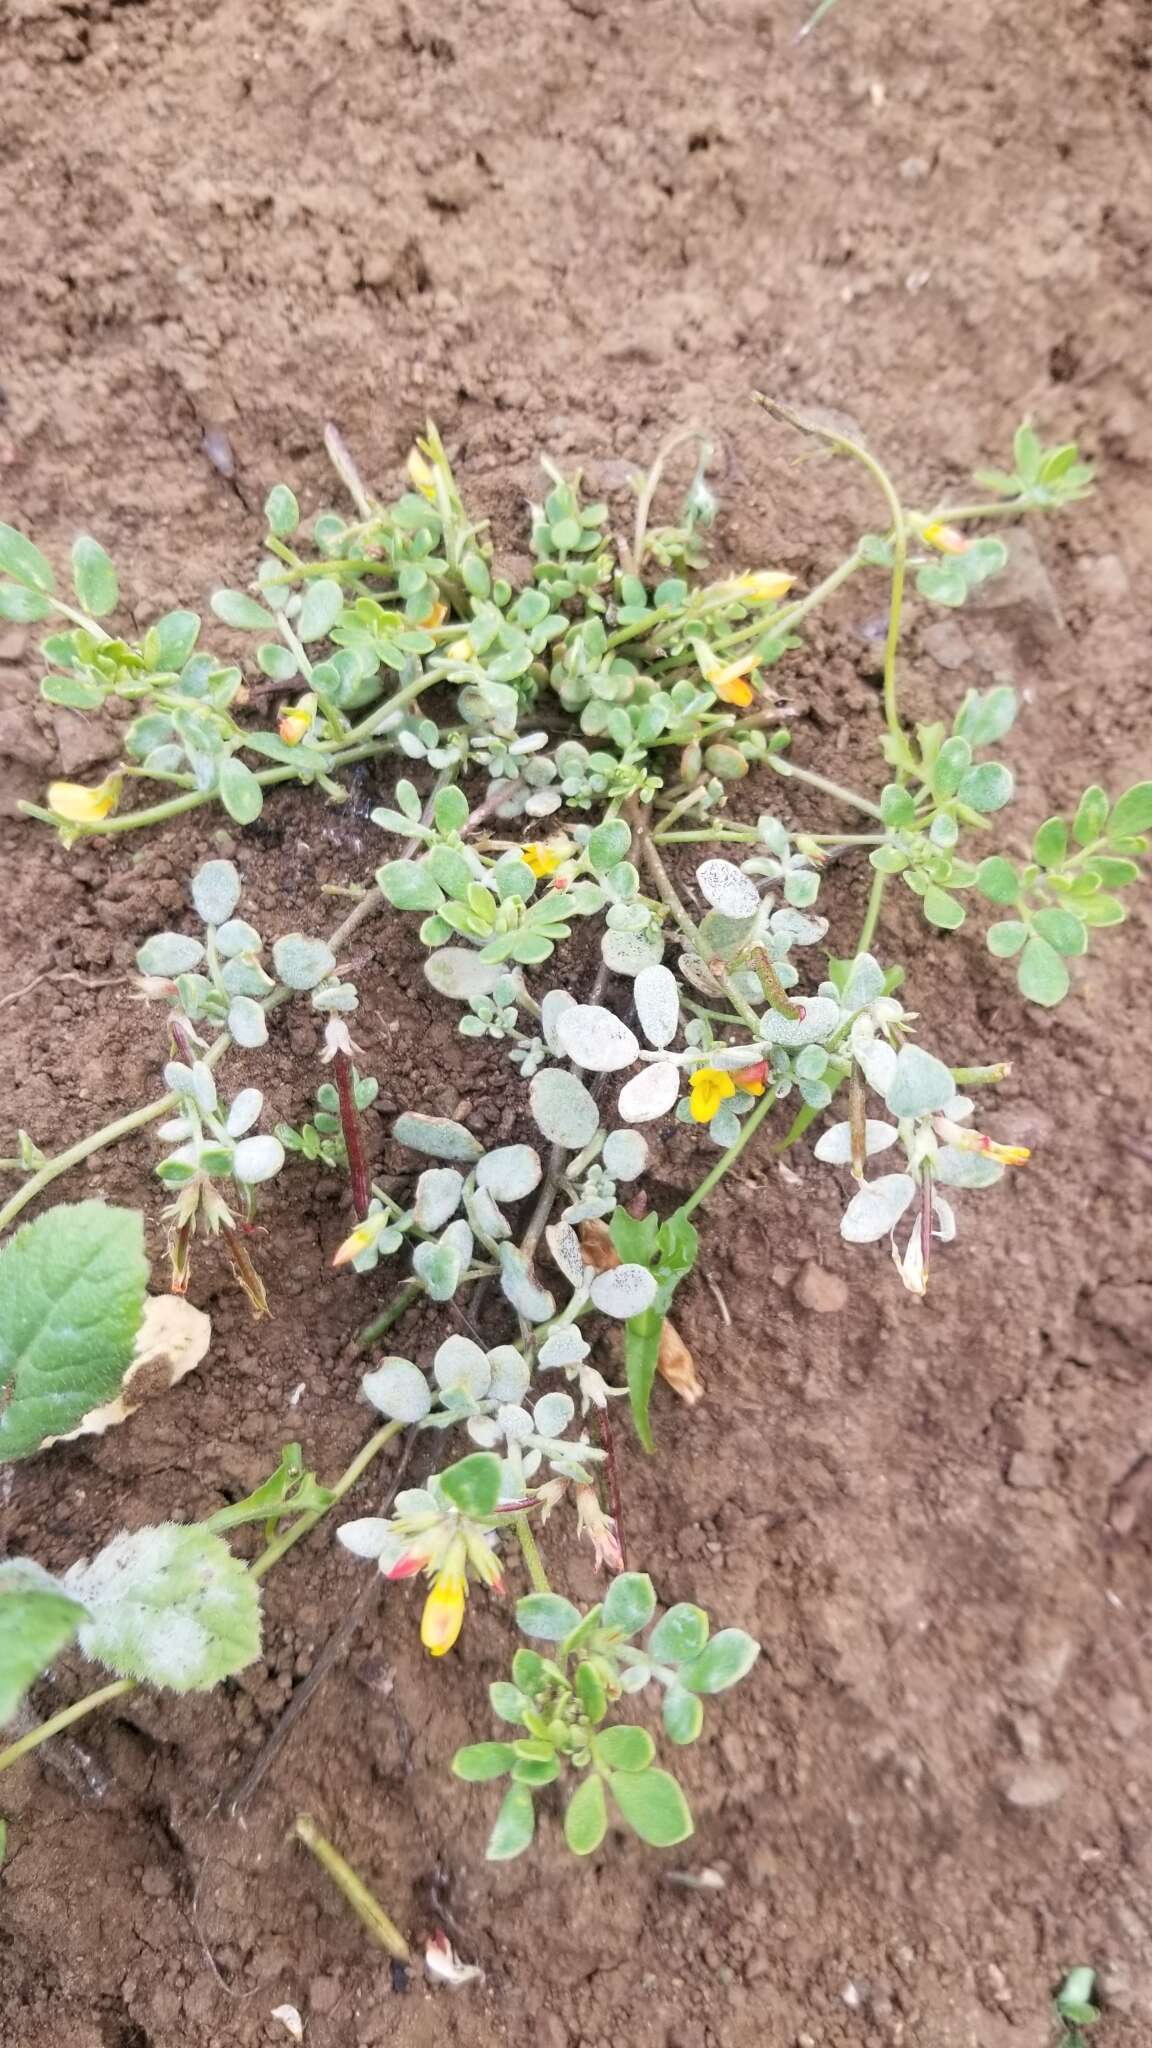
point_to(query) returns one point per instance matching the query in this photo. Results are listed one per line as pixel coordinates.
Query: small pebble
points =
(825, 1293)
(1036, 1785)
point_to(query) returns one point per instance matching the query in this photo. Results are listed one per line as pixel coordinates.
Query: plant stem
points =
(45, 1730)
(648, 490)
(872, 913)
(667, 892)
(270, 1555)
(367, 1909)
(791, 773)
(346, 470)
(532, 1558)
(353, 1137)
(750, 1125)
(410, 1292)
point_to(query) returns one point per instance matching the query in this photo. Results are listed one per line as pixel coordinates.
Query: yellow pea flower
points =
(83, 806)
(436, 617)
(295, 720)
(443, 1615)
(421, 474)
(945, 539)
(975, 1141)
(362, 1238)
(728, 682)
(762, 586)
(461, 650)
(709, 1088)
(543, 860)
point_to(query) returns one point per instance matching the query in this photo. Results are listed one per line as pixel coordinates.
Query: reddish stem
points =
(613, 1483)
(353, 1142)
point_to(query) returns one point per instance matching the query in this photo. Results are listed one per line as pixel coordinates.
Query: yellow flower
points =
(436, 617)
(762, 586)
(975, 1141)
(728, 682)
(945, 538)
(709, 1088)
(84, 806)
(461, 650)
(443, 1615)
(361, 1239)
(295, 720)
(543, 860)
(421, 474)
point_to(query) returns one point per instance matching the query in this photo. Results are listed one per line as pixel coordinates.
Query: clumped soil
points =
(570, 227)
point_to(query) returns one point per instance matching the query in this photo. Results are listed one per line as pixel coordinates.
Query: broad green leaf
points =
(590, 1692)
(451, 809)
(515, 1825)
(240, 793)
(94, 577)
(1101, 910)
(290, 1489)
(23, 605)
(986, 715)
(236, 609)
(943, 910)
(1132, 812)
(277, 661)
(71, 1300)
(546, 1616)
(1050, 846)
(920, 1083)
(322, 605)
(75, 691)
(169, 953)
(624, 1749)
(682, 1715)
(302, 962)
(586, 1816)
(641, 1352)
(1091, 816)
(565, 1111)
(19, 557)
(635, 1239)
(409, 886)
(653, 1806)
(997, 880)
(1063, 930)
(37, 1619)
(1042, 975)
(536, 1770)
(1006, 937)
(216, 891)
(1113, 873)
(169, 643)
(898, 806)
(437, 1136)
(953, 764)
(629, 1603)
(727, 1658)
(942, 583)
(508, 1701)
(482, 1761)
(473, 1484)
(607, 844)
(282, 511)
(678, 1635)
(987, 787)
(170, 1606)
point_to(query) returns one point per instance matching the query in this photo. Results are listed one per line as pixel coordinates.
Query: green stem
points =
(666, 891)
(270, 1555)
(946, 515)
(648, 490)
(532, 1558)
(366, 1907)
(789, 771)
(872, 913)
(410, 1292)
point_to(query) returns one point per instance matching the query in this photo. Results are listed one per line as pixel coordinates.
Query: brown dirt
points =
(571, 226)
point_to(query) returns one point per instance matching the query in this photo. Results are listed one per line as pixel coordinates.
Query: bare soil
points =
(569, 226)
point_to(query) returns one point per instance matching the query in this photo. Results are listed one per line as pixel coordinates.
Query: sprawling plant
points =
(557, 746)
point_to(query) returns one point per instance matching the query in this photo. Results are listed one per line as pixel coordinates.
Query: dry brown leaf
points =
(675, 1362)
(172, 1339)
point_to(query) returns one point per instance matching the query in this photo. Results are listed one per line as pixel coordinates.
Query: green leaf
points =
(37, 1619)
(515, 1825)
(590, 1692)
(723, 1662)
(473, 1484)
(290, 1489)
(653, 1806)
(629, 1603)
(243, 612)
(634, 1239)
(170, 641)
(528, 1670)
(277, 661)
(1050, 846)
(1091, 816)
(679, 1634)
(23, 605)
(920, 1083)
(302, 962)
(1042, 975)
(546, 1616)
(987, 787)
(952, 765)
(1062, 930)
(322, 606)
(20, 558)
(641, 1352)
(507, 1700)
(240, 793)
(586, 1817)
(1101, 910)
(409, 886)
(986, 715)
(1113, 873)
(169, 1605)
(624, 1749)
(943, 910)
(897, 805)
(482, 1761)
(1132, 813)
(608, 844)
(682, 1715)
(942, 583)
(75, 691)
(94, 577)
(997, 880)
(71, 1299)
(282, 511)
(536, 1770)
(1006, 937)
(438, 1137)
